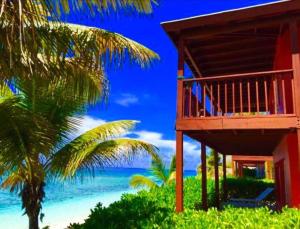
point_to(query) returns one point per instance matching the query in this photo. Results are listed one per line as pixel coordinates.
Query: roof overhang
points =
(226, 42)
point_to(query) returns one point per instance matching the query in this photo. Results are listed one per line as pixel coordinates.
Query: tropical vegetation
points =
(155, 208)
(36, 129)
(49, 73)
(162, 175)
(35, 41)
(210, 163)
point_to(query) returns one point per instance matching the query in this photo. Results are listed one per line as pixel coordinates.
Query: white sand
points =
(60, 215)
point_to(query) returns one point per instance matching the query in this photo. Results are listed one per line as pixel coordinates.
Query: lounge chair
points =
(251, 203)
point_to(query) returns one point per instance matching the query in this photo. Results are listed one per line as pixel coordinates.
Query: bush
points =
(249, 172)
(155, 209)
(248, 187)
(238, 218)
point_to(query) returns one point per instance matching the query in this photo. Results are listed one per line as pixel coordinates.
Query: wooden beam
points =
(204, 177)
(179, 171)
(245, 65)
(258, 13)
(268, 122)
(251, 158)
(237, 60)
(233, 166)
(245, 51)
(180, 76)
(181, 47)
(217, 188)
(240, 75)
(193, 62)
(224, 178)
(233, 43)
(206, 32)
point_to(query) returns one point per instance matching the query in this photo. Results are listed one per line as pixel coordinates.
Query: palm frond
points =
(22, 133)
(171, 177)
(101, 133)
(158, 169)
(105, 153)
(5, 90)
(51, 49)
(172, 167)
(106, 6)
(13, 181)
(138, 181)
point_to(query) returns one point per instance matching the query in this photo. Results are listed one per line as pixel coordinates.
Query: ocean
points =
(70, 201)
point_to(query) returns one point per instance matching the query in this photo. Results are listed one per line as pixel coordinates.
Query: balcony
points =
(261, 100)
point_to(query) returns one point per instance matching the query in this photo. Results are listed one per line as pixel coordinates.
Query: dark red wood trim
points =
(236, 15)
(270, 122)
(180, 89)
(204, 176)
(243, 75)
(224, 178)
(179, 171)
(217, 188)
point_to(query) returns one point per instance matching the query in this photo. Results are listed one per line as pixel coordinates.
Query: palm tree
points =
(34, 40)
(162, 175)
(37, 120)
(55, 70)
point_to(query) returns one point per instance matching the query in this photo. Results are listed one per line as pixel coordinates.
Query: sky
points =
(149, 95)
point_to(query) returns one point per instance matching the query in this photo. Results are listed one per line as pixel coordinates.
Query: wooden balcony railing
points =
(259, 94)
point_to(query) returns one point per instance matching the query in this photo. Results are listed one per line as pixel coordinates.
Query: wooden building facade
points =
(244, 95)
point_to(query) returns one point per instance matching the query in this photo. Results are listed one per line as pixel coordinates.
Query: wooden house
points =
(244, 95)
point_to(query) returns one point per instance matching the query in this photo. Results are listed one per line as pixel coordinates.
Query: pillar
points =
(179, 171)
(217, 188)
(204, 177)
(224, 178)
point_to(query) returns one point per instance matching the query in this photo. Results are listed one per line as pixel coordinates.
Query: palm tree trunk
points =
(33, 220)
(32, 196)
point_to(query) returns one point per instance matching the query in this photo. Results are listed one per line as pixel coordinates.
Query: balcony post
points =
(179, 171)
(203, 177)
(224, 178)
(296, 68)
(180, 76)
(217, 188)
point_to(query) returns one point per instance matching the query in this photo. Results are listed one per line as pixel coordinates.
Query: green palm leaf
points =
(44, 46)
(106, 153)
(158, 169)
(138, 181)
(22, 132)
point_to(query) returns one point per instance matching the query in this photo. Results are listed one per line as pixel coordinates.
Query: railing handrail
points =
(242, 75)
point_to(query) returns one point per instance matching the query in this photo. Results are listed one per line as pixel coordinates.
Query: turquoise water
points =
(71, 201)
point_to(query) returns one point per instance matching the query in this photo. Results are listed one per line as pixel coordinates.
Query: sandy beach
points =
(60, 215)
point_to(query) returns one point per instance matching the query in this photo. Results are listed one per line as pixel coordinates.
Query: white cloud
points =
(167, 147)
(127, 99)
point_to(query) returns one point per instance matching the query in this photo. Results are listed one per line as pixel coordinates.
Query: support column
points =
(233, 167)
(217, 188)
(204, 177)
(224, 178)
(296, 67)
(240, 168)
(179, 171)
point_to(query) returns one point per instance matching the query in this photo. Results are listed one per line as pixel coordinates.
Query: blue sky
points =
(149, 95)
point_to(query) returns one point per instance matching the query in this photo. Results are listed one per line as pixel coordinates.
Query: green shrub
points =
(155, 209)
(248, 187)
(249, 172)
(237, 218)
